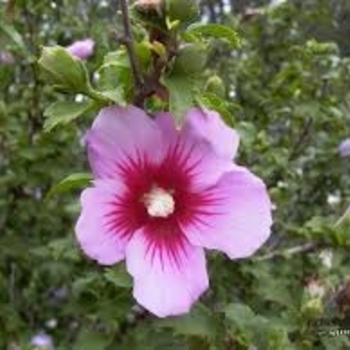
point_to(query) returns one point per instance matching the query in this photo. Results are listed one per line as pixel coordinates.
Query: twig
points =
(307, 247)
(294, 153)
(12, 284)
(300, 140)
(127, 40)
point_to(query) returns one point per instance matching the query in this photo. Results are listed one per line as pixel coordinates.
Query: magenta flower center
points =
(159, 202)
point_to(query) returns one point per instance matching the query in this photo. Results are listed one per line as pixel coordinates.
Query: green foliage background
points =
(286, 91)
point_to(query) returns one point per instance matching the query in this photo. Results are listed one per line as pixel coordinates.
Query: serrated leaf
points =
(72, 181)
(245, 324)
(181, 95)
(118, 276)
(64, 112)
(115, 95)
(115, 79)
(274, 291)
(217, 31)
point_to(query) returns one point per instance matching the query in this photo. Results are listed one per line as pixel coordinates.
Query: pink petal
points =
(82, 49)
(234, 216)
(209, 126)
(166, 282)
(119, 135)
(94, 229)
(166, 124)
(190, 154)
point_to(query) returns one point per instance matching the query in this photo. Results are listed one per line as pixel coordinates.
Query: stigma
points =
(159, 202)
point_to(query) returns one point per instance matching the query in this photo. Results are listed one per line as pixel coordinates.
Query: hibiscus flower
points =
(161, 195)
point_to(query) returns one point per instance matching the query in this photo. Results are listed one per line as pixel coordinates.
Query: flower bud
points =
(6, 58)
(326, 257)
(312, 308)
(82, 49)
(191, 59)
(182, 10)
(315, 289)
(149, 5)
(216, 86)
(63, 70)
(42, 341)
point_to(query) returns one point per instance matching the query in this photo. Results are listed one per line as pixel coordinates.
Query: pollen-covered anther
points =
(159, 202)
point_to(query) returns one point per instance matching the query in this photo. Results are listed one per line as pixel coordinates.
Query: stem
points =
(298, 144)
(307, 247)
(97, 96)
(343, 217)
(127, 40)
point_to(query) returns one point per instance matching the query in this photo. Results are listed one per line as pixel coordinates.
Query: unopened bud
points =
(313, 308)
(63, 70)
(316, 289)
(216, 86)
(82, 49)
(149, 5)
(326, 257)
(182, 10)
(191, 59)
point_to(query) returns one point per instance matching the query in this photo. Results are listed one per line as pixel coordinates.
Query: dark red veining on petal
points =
(166, 241)
(174, 174)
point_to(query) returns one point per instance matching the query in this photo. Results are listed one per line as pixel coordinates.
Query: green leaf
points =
(213, 102)
(72, 181)
(116, 81)
(198, 323)
(62, 249)
(13, 34)
(249, 327)
(64, 112)
(240, 314)
(118, 276)
(181, 95)
(91, 340)
(115, 95)
(86, 284)
(217, 31)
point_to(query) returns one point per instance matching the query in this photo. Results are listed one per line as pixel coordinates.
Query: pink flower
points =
(42, 341)
(82, 49)
(161, 195)
(344, 148)
(6, 58)
(148, 4)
